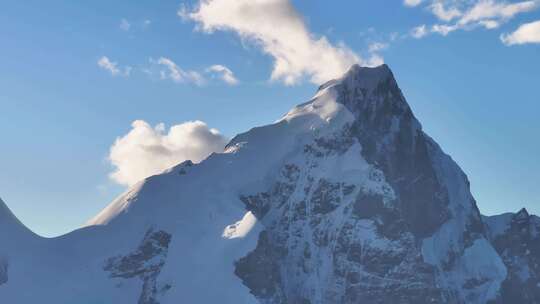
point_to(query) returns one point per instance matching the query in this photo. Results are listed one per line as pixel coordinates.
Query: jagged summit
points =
(522, 214)
(368, 77)
(362, 77)
(373, 96)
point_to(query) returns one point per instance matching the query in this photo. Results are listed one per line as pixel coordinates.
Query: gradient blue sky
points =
(61, 112)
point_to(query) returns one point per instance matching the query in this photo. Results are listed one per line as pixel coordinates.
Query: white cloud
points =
(526, 33)
(167, 69)
(419, 31)
(125, 25)
(444, 13)
(173, 72)
(412, 3)
(471, 14)
(224, 73)
(377, 46)
(147, 23)
(491, 10)
(443, 29)
(276, 27)
(147, 150)
(489, 24)
(108, 65)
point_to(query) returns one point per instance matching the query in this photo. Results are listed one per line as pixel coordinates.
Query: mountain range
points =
(345, 199)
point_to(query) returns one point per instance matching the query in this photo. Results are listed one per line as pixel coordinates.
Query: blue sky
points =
(474, 92)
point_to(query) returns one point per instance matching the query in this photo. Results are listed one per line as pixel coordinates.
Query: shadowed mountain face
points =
(343, 200)
(412, 238)
(517, 240)
(392, 140)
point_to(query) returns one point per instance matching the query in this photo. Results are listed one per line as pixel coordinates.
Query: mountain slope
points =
(14, 239)
(517, 239)
(343, 200)
(11, 227)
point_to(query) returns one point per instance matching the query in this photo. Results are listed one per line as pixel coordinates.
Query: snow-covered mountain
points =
(343, 200)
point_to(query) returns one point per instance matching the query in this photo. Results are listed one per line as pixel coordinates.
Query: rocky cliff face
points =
(145, 263)
(517, 240)
(343, 200)
(396, 224)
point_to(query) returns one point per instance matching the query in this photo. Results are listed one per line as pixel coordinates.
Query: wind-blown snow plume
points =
(148, 150)
(279, 30)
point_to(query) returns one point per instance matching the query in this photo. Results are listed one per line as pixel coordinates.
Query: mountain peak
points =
(368, 78)
(375, 99)
(522, 214)
(363, 77)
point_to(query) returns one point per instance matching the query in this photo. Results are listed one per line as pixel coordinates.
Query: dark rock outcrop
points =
(3, 271)
(517, 239)
(144, 263)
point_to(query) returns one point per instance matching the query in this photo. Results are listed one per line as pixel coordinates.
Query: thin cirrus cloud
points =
(112, 67)
(419, 31)
(412, 3)
(125, 25)
(169, 70)
(297, 52)
(173, 72)
(145, 150)
(377, 47)
(456, 15)
(526, 33)
(443, 12)
(224, 73)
